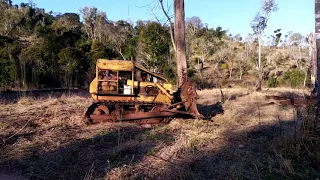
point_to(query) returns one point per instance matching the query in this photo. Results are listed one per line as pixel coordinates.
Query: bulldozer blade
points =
(189, 96)
(193, 109)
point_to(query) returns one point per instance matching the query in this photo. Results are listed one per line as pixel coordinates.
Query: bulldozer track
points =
(154, 116)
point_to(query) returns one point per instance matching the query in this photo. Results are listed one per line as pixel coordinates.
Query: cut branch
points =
(6, 139)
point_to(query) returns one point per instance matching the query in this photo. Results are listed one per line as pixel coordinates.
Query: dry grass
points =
(241, 143)
(42, 121)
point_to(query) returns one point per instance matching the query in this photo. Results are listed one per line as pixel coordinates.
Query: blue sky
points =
(235, 15)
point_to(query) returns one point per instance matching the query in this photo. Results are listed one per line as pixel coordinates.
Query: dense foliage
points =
(41, 49)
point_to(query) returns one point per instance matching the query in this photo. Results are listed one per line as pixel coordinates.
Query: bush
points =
(191, 72)
(272, 82)
(293, 78)
(308, 80)
(169, 72)
(224, 66)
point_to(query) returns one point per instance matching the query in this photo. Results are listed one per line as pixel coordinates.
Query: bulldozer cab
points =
(113, 81)
(126, 79)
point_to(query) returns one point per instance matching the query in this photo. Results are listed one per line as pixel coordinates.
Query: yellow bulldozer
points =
(123, 91)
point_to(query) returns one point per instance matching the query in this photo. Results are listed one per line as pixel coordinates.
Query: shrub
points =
(224, 82)
(191, 72)
(272, 82)
(224, 66)
(169, 72)
(293, 78)
(308, 80)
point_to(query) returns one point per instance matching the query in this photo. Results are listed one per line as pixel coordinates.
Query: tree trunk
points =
(230, 73)
(245, 48)
(202, 58)
(317, 62)
(259, 66)
(305, 78)
(230, 67)
(179, 31)
(122, 55)
(240, 77)
(23, 71)
(299, 55)
(312, 57)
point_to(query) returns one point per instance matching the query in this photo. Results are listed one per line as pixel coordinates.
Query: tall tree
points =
(116, 34)
(258, 25)
(296, 41)
(312, 57)
(179, 32)
(278, 35)
(94, 22)
(317, 52)
(66, 22)
(153, 47)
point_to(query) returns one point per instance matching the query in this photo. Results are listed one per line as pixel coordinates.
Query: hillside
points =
(40, 49)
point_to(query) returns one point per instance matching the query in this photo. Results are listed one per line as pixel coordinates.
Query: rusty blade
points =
(189, 96)
(175, 111)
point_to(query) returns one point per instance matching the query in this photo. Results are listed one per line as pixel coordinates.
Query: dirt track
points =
(44, 139)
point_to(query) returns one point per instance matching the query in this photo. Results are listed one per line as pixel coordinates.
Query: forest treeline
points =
(41, 49)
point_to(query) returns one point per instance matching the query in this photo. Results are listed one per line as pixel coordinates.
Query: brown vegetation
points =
(246, 137)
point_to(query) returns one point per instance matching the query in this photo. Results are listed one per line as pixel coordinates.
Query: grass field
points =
(245, 137)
